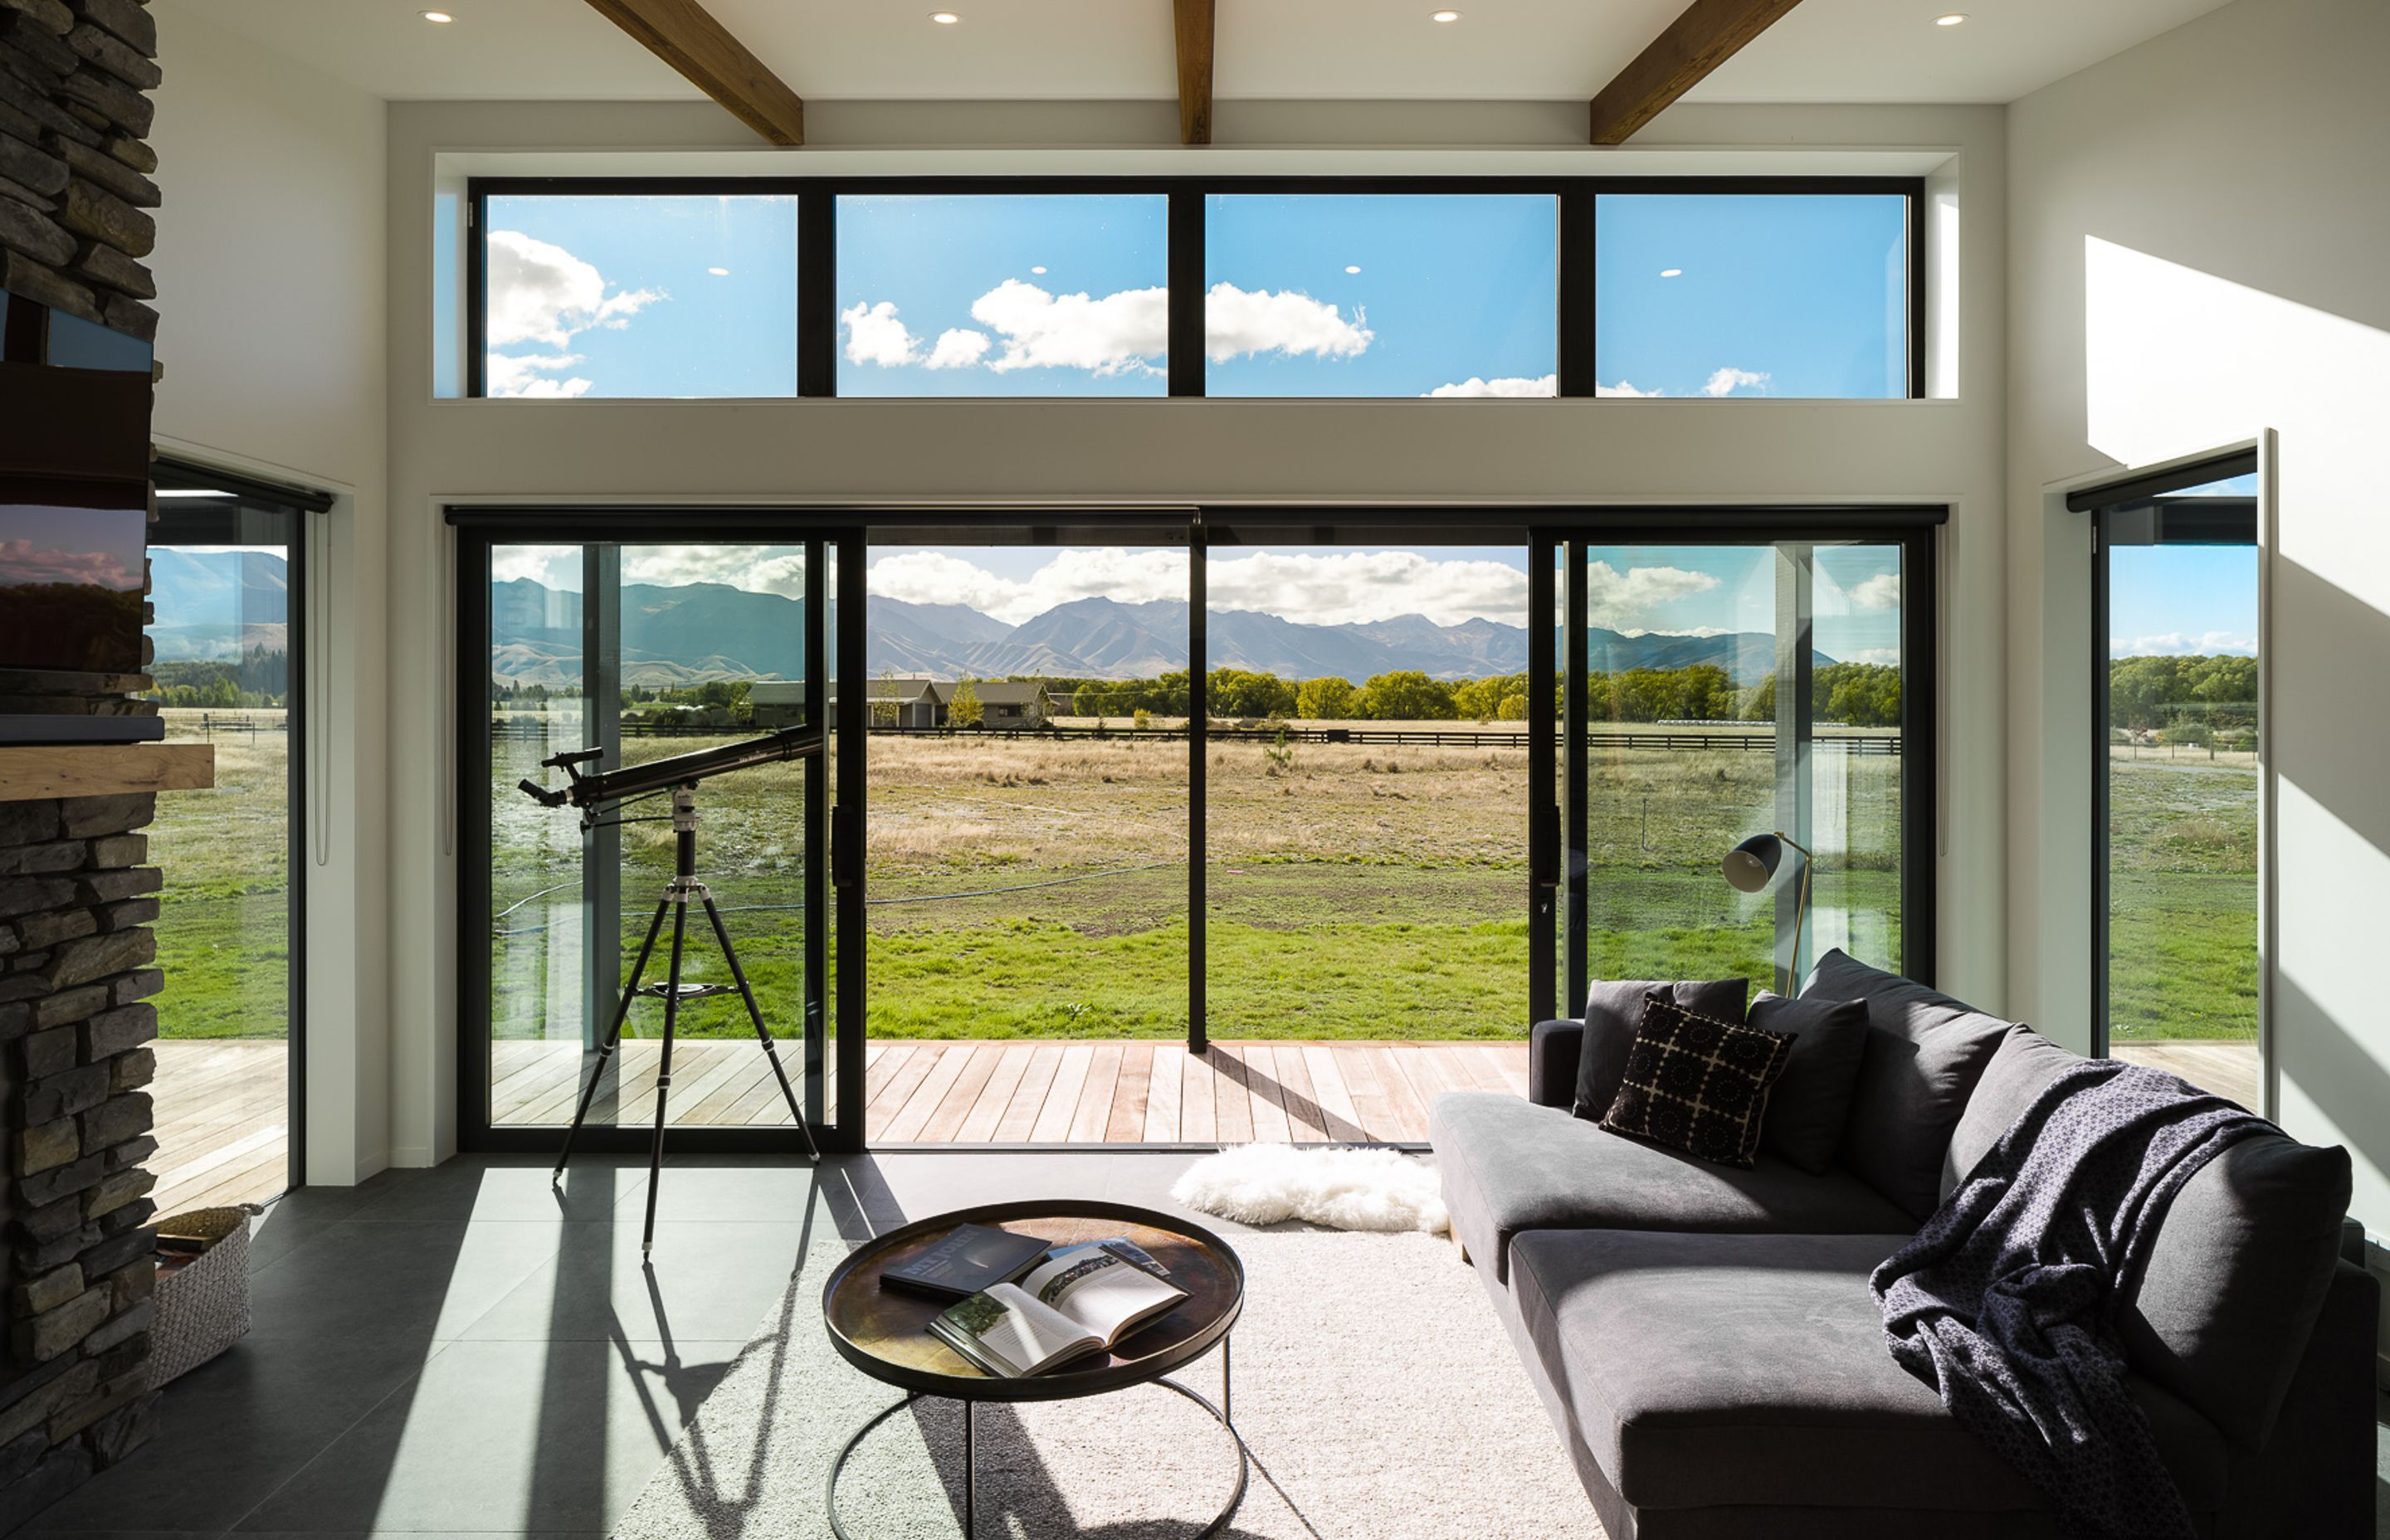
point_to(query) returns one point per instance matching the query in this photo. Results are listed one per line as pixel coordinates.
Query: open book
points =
(1082, 1299)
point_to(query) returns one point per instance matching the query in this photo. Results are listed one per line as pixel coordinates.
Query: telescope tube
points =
(632, 780)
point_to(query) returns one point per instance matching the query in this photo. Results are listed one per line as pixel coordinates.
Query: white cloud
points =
(1340, 587)
(2177, 644)
(1237, 321)
(1119, 332)
(543, 293)
(1869, 655)
(522, 376)
(874, 335)
(1507, 385)
(1623, 601)
(957, 348)
(1623, 388)
(1880, 592)
(936, 577)
(555, 568)
(1726, 381)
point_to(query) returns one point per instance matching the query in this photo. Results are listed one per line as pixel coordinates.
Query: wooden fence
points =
(1665, 739)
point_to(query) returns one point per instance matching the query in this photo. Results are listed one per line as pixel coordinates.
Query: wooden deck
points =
(1027, 1091)
(2232, 1069)
(222, 1123)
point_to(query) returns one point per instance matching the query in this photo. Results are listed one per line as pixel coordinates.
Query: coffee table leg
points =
(1227, 1387)
(970, 1471)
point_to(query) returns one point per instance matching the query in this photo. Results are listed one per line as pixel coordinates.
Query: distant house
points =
(1002, 705)
(912, 702)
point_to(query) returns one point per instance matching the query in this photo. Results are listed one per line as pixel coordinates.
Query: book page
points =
(1026, 1334)
(1100, 1290)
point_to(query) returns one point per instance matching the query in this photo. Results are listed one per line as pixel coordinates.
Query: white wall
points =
(2196, 257)
(1946, 451)
(270, 264)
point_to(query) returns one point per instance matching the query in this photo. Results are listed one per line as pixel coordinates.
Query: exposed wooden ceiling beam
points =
(1195, 18)
(1707, 35)
(685, 35)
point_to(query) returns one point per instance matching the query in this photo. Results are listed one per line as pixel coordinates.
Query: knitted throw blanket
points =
(2005, 1301)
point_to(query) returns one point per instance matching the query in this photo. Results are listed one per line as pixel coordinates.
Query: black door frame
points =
(298, 504)
(1555, 899)
(2202, 525)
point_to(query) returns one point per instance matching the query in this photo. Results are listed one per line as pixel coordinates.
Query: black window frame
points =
(2133, 494)
(1555, 892)
(816, 339)
(215, 523)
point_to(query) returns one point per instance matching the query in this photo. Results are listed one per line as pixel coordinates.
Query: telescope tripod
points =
(683, 888)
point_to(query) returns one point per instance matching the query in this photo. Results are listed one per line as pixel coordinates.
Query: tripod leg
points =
(663, 1073)
(756, 1014)
(613, 1037)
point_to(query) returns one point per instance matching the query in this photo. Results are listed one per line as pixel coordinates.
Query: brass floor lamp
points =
(1751, 866)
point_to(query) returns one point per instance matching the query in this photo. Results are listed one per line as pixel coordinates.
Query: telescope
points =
(593, 791)
(600, 792)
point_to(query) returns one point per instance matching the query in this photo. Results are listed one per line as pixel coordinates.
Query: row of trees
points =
(1859, 695)
(259, 679)
(2215, 693)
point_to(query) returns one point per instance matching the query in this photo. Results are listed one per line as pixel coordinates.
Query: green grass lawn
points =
(1350, 893)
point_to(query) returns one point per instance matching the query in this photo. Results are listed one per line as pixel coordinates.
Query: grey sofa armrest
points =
(1552, 1052)
(2352, 1242)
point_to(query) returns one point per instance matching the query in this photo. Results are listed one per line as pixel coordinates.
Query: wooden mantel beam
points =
(685, 35)
(1194, 24)
(1707, 35)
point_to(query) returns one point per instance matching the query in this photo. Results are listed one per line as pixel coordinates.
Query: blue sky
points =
(1353, 295)
(2185, 599)
(1789, 296)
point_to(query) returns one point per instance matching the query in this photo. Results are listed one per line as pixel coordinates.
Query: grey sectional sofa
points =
(1705, 1342)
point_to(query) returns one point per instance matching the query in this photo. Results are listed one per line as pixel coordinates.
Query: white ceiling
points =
(1825, 50)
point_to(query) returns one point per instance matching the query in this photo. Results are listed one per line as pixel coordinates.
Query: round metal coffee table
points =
(884, 1332)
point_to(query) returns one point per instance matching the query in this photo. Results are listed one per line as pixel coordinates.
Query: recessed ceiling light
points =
(1443, 16)
(1351, 270)
(441, 16)
(719, 271)
(1950, 20)
(945, 19)
(1671, 272)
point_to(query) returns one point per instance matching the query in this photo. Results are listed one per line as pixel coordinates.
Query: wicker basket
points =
(202, 1306)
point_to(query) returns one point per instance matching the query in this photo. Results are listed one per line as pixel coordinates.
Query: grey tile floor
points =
(461, 1351)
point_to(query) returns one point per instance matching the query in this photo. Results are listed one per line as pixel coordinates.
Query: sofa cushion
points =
(2221, 1310)
(1613, 1011)
(1713, 1371)
(2021, 1065)
(1510, 1165)
(1923, 1056)
(1696, 1083)
(1812, 1100)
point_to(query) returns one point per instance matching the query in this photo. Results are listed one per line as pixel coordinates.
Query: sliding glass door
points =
(2176, 970)
(229, 617)
(1719, 691)
(636, 652)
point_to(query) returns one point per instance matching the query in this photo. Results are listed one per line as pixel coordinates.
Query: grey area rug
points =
(1378, 1392)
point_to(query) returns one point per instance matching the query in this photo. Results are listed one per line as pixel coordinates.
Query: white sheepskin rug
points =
(1344, 1189)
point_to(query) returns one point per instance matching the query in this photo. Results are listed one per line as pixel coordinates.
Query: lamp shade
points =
(1750, 864)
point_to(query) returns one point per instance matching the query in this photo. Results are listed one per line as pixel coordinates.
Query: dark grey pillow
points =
(1613, 1010)
(1812, 1099)
(1925, 1051)
(2221, 1312)
(2023, 1063)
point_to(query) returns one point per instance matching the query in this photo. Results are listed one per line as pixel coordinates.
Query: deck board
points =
(222, 1125)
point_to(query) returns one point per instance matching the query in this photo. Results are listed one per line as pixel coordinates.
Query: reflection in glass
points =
(645, 652)
(1710, 295)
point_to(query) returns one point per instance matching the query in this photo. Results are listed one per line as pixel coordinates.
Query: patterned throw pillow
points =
(1697, 1083)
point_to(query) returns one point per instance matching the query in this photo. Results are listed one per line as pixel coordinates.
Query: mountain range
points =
(685, 634)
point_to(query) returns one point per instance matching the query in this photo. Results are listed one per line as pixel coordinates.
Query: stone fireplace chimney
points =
(76, 895)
